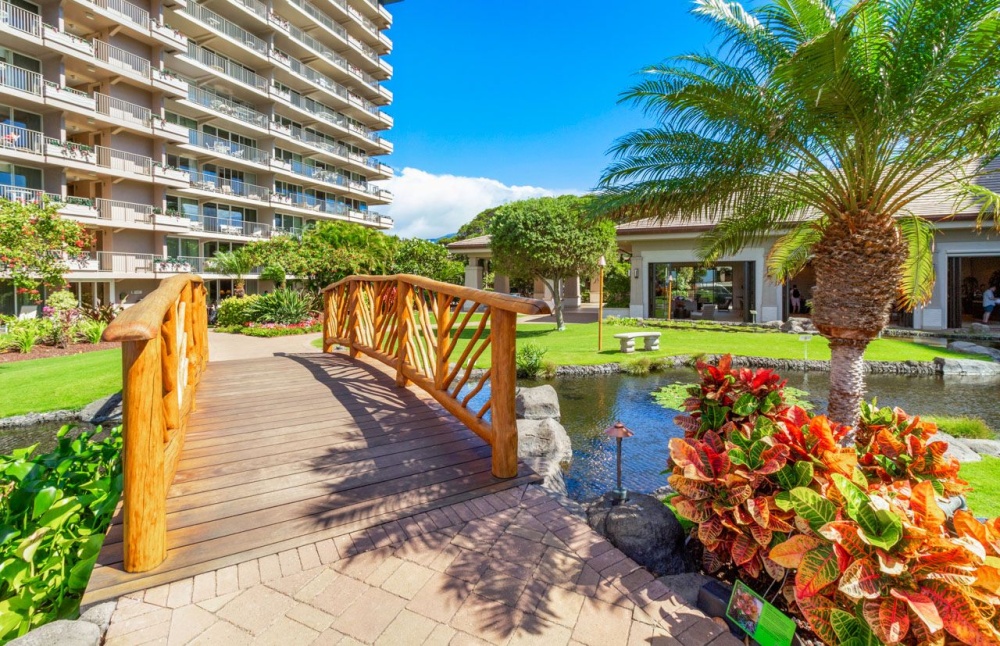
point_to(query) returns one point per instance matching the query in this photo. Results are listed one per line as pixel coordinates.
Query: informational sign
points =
(765, 624)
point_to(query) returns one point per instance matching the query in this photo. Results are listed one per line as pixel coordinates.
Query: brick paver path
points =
(513, 568)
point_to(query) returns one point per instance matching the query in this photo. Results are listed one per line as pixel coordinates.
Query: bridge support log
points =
(504, 382)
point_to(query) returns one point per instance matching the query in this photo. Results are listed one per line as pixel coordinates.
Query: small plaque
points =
(805, 337)
(764, 623)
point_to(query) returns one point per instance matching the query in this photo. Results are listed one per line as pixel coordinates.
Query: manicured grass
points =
(985, 480)
(577, 345)
(69, 382)
(964, 426)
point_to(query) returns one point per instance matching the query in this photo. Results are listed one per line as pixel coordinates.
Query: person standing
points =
(796, 296)
(989, 302)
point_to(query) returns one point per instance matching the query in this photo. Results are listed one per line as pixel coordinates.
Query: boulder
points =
(61, 633)
(543, 438)
(974, 348)
(106, 410)
(957, 448)
(645, 530)
(551, 472)
(540, 402)
(798, 326)
(980, 328)
(100, 615)
(984, 447)
(971, 367)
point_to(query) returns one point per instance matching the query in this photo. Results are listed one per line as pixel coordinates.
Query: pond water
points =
(591, 404)
(42, 434)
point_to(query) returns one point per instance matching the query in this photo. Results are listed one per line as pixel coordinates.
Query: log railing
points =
(419, 327)
(164, 341)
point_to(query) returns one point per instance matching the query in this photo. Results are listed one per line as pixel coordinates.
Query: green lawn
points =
(985, 480)
(70, 382)
(577, 345)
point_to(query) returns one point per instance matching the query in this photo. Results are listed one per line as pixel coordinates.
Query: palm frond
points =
(792, 251)
(916, 282)
(987, 200)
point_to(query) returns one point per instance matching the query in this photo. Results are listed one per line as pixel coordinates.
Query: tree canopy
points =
(824, 122)
(37, 245)
(549, 238)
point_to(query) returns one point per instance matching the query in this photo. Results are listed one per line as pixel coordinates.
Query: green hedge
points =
(235, 311)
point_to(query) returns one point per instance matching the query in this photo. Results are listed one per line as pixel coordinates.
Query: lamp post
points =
(618, 431)
(670, 296)
(601, 263)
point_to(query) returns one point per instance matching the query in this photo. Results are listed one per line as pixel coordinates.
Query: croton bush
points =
(855, 536)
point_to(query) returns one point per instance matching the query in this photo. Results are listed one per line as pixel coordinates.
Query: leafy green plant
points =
(106, 313)
(235, 311)
(279, 330)
(284, 306)
(26, 334)
(973, 428)
(529, 360)
(54, 511)
(549, 370)
(274, 273)
(673, 396)
(90, 330)
(637, 367)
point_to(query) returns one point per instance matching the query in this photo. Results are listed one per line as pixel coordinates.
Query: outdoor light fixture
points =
(601, 264)
(618, 431)
(635, 273)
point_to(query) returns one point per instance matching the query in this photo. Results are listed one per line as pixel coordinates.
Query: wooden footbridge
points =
(227, 462)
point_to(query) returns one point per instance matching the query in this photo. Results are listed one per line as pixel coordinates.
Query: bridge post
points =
(328, 329)
(503, 381)
(404, 327)
(144, 540)
(444, 341)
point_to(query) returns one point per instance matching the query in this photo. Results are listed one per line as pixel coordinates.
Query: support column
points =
(474, 276)
(542, 291)
(571, 292)
(637, 300)
(501, 284)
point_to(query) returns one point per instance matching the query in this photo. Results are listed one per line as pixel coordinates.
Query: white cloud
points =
(428, 206)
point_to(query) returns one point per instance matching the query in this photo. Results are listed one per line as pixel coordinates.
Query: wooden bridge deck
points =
(291, 450)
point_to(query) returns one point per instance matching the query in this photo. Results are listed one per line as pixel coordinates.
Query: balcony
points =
(67, 41)
(69, 97)
(216, 225)
(137, 117)
(230, 31)
(168, 35)
(69, 206)
(178, 265)
(118, 211)
(226, 68)
(212, 183)
(21, 142)
(229, 149)
(21, 21)
(222, 106)
(20, 81)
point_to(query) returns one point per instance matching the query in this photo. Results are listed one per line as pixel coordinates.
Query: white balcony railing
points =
(116, 108)
(119, 211)
(21, 139)
(228, 148)
(227, 67)
(123, 161)
(125, 10)
(121, 59)
(227, 107)
(220, 24)
(124, 263)
(22, 80)
(22, 20)
(223, 186)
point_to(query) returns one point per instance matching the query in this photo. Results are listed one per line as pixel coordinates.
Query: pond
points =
(591, 404)
(44, 435)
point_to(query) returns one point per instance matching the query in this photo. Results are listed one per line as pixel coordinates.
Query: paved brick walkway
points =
(511, 568)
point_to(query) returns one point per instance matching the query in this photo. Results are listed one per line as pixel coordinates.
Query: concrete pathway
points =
(512, 568)
(230, 347)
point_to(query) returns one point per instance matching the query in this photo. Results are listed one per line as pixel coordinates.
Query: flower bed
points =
(848, 525)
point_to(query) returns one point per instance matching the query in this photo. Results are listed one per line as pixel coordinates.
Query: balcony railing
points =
(22, 80)
(21, 19)
(21, 139)
(119, 211)
(116, 108)
(316, 173)
(226, 225)
(122, 161)
(237, 188)
(125, 10)
(123, 60)
(255, 7)
(227, 67)
(221, 146)
(179, 264)
(224, 106)
(218, 23)
(123, 262)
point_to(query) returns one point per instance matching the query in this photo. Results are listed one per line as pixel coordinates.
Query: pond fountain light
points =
(618, 431)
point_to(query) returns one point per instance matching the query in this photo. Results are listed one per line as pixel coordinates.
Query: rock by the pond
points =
(957, 448)
(106, 410)
(61, 633)
(543, 438)
(984, 447)
(686, 585)
(551, 472)
(798, 326)
(975, 348)
(540, 402)
(980, 328)
(644, 529)
(972, 367)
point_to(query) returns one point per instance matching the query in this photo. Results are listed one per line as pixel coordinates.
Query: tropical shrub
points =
(106, 313)
(637, 367)
(283, 306)
(61, 308)
(25, 334)
(90, 330)
(550, 369)
(233, 311)
(856, 534)
(54, 511)
(274, 329)
(529, 360)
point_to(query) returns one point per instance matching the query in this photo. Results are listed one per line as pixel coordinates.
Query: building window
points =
(187, 122)
(21, 176)
(182, 248)
(290, 223)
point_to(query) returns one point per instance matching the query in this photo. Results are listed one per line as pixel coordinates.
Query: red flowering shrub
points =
(875, 558)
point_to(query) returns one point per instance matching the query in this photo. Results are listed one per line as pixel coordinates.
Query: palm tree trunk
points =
(857, 268)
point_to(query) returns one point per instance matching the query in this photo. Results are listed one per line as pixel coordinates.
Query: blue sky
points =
(498, 100)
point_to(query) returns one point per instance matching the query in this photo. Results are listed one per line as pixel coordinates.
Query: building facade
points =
(175, 129)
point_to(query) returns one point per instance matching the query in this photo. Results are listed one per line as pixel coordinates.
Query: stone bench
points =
(650, 340)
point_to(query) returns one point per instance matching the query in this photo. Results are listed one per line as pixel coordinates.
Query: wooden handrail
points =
(389, 319)
(164, 341)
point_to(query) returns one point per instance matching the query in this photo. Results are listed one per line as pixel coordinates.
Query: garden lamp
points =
(601, 263)
(618, 431)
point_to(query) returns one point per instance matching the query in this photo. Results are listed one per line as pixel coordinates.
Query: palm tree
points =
(823, 123)
(235, 264)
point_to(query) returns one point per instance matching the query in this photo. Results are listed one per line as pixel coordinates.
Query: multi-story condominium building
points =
(178, 128)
